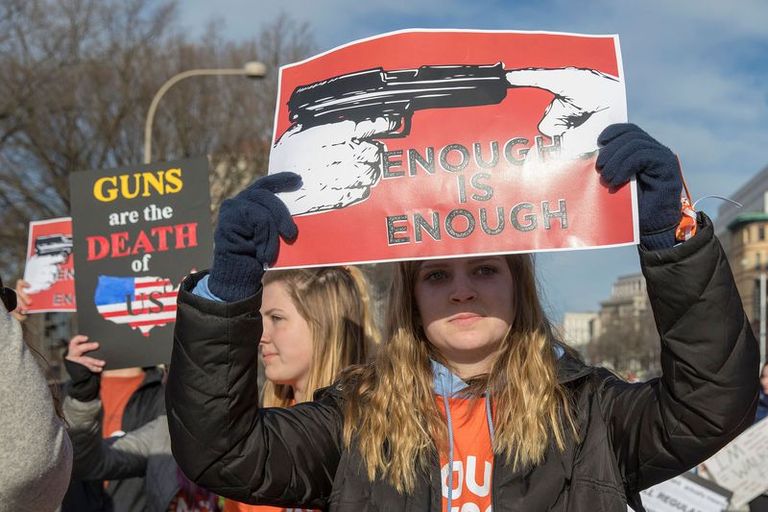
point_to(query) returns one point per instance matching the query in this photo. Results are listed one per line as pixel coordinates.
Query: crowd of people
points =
(465, 399)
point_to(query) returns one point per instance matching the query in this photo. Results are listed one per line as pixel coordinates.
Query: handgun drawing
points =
(396, 95)
(53, 244)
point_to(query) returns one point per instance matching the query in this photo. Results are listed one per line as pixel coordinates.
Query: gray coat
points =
(35, 452)
(145, 452)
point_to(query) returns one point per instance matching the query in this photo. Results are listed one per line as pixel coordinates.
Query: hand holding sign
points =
(22, 299)
(338, 163)
(83, 370)
(248, 236)
(628, 151)
(583, 105)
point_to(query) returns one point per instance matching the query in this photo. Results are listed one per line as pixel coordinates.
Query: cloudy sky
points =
(696, 75)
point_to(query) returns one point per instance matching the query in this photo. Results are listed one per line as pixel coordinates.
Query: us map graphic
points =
(140, 302)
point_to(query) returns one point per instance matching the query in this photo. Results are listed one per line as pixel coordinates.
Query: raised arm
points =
(708, 390)
(220, 437)
(96, 458)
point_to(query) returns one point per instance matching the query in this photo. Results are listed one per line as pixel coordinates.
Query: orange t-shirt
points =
(115, 393)
(234, 506)
(472, 456)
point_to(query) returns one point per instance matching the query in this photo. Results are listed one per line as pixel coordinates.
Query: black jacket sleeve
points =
(96, 458)
(220, 437)
(708, 389)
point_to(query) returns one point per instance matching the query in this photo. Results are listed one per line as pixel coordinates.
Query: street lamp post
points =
(251, 70)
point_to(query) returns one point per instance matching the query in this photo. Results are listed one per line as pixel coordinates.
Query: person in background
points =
(317, 322)
(143, 453)
(35, 451)
(131, 398)
(762, 405)
(760, 503)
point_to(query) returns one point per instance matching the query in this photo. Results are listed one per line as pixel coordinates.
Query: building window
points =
(761, 233)
(756, 301)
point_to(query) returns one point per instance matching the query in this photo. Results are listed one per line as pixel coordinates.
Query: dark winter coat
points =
(144, 453)
(128, 494)
(632, 435)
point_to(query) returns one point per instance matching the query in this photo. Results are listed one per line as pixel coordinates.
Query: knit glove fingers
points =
(621, 163)
(264, 240)
(268, 205)
(617, 139)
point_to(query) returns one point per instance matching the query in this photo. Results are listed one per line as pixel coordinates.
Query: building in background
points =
(753, 197)
(742, 231)
(627, 303)
(581, 329)
(624, 334)
(747, 250)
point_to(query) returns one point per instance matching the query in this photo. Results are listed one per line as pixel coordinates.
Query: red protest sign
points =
(421, 144)
(50, 269)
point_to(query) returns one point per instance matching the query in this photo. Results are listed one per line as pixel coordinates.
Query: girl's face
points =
(465, 306)
(286, 343)
(764, 379)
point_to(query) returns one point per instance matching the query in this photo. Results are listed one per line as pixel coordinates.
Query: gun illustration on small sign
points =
(48, 245)
(396, 95)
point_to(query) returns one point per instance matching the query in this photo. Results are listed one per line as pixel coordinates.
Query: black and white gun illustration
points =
(396, 95)
(42, 269)
(47, 245)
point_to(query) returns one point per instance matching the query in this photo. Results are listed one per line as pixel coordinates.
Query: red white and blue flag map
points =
(140, 302)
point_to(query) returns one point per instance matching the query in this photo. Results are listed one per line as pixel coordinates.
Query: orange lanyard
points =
(687, 227)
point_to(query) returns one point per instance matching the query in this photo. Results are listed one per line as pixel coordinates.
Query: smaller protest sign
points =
(50, 269)
(686, 492)
(742, 465)
(137, 232)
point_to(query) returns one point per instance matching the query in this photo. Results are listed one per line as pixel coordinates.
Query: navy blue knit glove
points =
(628, 151)
(248, 235)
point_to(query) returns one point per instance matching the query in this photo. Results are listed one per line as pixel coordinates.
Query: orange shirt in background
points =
(115, 393)
(234, 506)
(472, 456)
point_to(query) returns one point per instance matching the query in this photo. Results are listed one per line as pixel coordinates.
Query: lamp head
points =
(255, 69)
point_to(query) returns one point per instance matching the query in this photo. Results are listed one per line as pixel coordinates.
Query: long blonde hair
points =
(334, 302)
(390, 408)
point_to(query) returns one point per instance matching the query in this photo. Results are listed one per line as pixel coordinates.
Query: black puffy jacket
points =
(127, 494)
(632, 435)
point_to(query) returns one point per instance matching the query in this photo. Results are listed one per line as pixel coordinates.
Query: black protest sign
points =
(137, 232)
